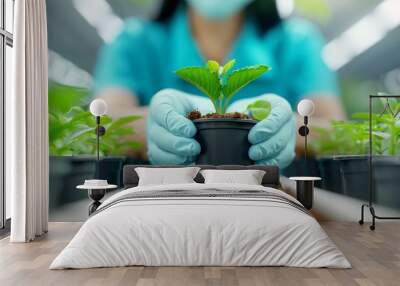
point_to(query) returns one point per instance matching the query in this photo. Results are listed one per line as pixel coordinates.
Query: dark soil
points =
(195, 114)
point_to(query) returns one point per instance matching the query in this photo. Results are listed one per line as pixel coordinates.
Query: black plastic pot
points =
(66, 172)
(110, 169)
(330, 174)
(386, 173)
(354, 176)
(224, 141)
(347, 175)
(302, 167)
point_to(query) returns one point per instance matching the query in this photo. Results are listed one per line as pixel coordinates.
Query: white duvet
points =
(200, 231)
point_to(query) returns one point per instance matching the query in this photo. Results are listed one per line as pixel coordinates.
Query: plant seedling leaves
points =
(63, 97)
(363, 116)
(260, 109)
(72, 126)
(213, 66)
(218, 83)
(206, 81)
(121, 122)
(316, 9)
(228, 66)
(105, 119)
(80, 133)
(394, 105)
(242, 77)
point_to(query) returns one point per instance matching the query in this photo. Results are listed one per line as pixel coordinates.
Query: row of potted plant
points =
(343, 154)
(72, 129)
(72, 144)
(343, 148)
(223, 135)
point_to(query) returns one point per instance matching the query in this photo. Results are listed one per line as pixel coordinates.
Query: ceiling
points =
(72, 37)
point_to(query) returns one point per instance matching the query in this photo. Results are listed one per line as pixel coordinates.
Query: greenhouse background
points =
(363, 40)
(362, 47)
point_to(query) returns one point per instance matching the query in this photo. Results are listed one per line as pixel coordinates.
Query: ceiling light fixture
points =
(361, 36)
(101, 16)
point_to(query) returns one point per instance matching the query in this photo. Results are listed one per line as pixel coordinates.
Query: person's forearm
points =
(139, 126)
(121, 103)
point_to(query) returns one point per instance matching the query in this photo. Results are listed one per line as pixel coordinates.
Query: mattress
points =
(201, 225)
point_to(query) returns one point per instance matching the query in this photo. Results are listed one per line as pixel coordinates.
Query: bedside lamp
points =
(305, 108)
(96, 188)
(98, 107)
(305, 184)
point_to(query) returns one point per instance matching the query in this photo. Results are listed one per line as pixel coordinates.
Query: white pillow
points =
(248, 177)
(166, 176)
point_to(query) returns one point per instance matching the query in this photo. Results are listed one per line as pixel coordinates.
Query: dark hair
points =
(264, 12)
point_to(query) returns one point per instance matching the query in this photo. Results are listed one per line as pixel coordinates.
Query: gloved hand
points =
(273, 139)
(169, 133)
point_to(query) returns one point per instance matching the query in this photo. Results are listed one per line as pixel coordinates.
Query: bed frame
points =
(271, 177)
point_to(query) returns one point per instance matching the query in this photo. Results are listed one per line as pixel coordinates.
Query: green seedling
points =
(352, 137)
(259, 110)
(342, 138)
(220, 83)
(385, 131)
(71, 127)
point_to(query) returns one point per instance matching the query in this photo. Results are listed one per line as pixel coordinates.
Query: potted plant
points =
(343, 160)
(345, 149)
(386, 144)
(305, 167)
(72, 144)
(223, 136)
(386, 172)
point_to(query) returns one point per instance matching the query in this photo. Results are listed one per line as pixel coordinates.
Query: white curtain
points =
(27, 124)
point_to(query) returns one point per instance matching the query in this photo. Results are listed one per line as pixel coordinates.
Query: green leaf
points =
(242, 77)
(81, 134)
(104, 119)
(316, 9)
(260, 109)
(77, 117)
(63, 97)
(228, 66)
(206, 81)
(364, 116)
(121, 122)
(394, 105)
(73, 133)
(123, 131)
(213, 66)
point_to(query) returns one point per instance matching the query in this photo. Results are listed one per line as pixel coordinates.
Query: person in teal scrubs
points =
(137, 69)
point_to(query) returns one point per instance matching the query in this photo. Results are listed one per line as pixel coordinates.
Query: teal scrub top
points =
(143, 57)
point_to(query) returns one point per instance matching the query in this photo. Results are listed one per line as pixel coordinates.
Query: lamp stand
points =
(100, 131)
(304, 131)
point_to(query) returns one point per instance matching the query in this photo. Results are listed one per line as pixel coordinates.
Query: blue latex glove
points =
(169, 133)
(273, 139)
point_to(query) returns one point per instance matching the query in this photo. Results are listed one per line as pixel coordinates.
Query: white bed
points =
(205, 230)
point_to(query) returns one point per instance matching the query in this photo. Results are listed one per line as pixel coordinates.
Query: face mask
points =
(218, 9)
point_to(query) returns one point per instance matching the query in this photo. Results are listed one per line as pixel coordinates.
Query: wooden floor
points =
(375, 257)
